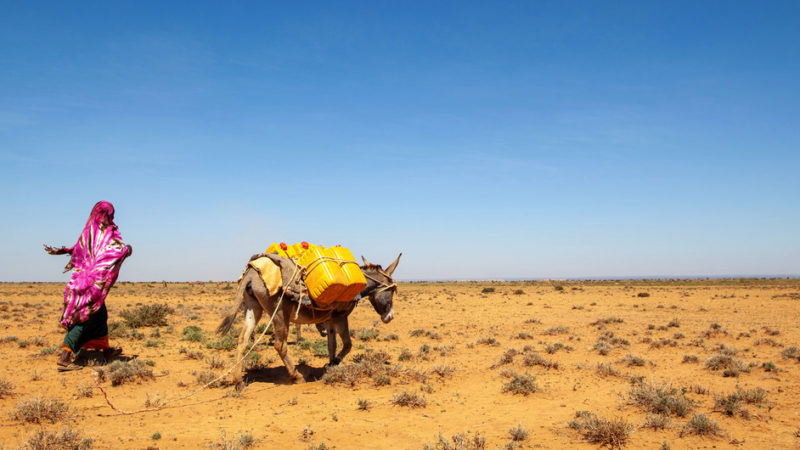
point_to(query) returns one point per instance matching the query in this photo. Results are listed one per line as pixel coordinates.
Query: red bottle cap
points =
(284, 246)
(304, 244)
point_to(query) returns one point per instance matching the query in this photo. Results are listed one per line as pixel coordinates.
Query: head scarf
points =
(96, 259)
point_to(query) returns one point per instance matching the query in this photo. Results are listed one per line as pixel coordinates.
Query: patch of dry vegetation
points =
(119, 372)
(40, 410)
(64, 439)
(613, 433)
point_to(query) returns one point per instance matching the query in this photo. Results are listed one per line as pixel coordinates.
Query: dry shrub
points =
(732, 403)
(85, 390)
(65, 439)
(613, 433)
(443, 371)
(215, 362)
(508, 357)
(689, 359)
(728, 404)
(147, 315)
(552, 348)
(607, 370)
(521, 384)
(701, 425)
(662, 399)
(119, 372)
(518, 433)
(192, 333)
(791, 353)
(730, 366)
(656, 422)
(40, 410)
(206, 377)
(412, 400)
(488, 341)
(459, 441)
(241, 441)
(534, 359)
(6, 388)
(367, 334)
(606, 321)
(552, 331)
(405, 354)
(366, 365)
(633, 360)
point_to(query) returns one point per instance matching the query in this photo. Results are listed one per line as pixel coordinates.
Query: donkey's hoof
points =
(296, 379)
(333, 363)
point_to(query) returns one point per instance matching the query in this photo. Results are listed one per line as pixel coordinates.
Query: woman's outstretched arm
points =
(58, 250)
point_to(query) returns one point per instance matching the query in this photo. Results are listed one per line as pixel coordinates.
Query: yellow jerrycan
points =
(355, 278)
(324, 278)
(280, 249)
(298, 249)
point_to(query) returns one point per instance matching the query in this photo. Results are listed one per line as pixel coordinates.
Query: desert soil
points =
(455, 336)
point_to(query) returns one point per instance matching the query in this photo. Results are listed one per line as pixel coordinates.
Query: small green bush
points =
(192, 334)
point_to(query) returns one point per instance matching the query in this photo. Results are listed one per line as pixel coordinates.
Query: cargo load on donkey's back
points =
(331, 274)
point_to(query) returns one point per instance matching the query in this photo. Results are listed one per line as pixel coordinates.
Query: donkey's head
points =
(380, 287)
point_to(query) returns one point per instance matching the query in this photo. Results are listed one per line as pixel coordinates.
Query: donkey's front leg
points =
(343, 330)
(332, 359)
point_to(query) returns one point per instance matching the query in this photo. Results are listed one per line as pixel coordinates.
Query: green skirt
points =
(94, 328)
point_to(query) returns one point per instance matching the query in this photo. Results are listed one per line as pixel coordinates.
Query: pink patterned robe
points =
(96, 260)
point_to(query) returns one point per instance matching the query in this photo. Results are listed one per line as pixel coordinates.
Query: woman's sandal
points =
(68, 367)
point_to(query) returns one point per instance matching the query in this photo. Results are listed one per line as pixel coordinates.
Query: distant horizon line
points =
(502, 280)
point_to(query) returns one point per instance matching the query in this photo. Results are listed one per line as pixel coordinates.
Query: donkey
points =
(254, 297)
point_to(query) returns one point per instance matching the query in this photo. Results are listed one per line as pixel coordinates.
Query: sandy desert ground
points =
(649, 364)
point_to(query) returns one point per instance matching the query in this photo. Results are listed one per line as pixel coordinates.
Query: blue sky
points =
(483, 140)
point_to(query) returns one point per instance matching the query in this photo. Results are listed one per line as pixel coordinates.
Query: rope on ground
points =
(205, 386)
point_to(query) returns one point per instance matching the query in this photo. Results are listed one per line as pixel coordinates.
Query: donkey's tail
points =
(227, 322)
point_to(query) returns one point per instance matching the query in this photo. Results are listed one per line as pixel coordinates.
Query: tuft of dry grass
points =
(40, 410)
(663, 399)
(443, 371)
(412, 400)
(147, 315)
(552, 331)
(239, 442)
(6, 388)
(607, 370)
(521, 384)
(119, 372)
(534, 359)
(64, 439)
(518, 433)
(633, 360)
(656, 422)
(701, 425)
(730, 366)
(365, 365)
(613, 433)
(459, 441)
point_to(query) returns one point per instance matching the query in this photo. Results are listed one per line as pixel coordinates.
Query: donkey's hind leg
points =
(252, 314)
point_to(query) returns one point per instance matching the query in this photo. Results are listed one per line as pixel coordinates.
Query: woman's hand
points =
(56, 251)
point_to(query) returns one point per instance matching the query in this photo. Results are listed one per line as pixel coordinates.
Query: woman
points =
(95, 262)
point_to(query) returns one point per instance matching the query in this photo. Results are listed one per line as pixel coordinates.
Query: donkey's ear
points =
(366, 263)
(392, 266)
